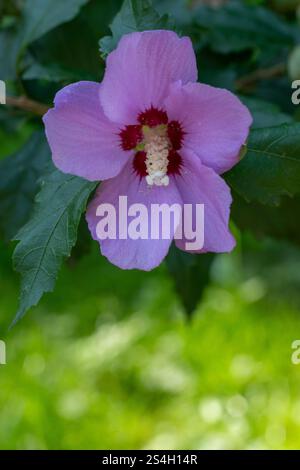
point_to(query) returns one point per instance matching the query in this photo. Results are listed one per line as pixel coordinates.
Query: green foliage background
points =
(196, 354)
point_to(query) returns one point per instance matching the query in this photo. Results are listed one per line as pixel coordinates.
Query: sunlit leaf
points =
(49, 235)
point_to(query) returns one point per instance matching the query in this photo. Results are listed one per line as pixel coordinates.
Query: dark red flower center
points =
(153, 117)
(139, 163)
(156, 142)
(131, 136)
(175, 134)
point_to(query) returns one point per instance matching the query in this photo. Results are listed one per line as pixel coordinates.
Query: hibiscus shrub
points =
(204, 86)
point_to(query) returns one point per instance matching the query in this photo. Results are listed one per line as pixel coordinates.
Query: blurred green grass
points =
(109, 361)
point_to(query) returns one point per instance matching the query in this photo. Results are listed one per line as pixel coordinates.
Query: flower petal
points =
(215, 121)
(140, 71)
(83, 141)
(144, 254)
(199, 184)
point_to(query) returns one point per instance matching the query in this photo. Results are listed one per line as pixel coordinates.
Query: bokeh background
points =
(111, 360)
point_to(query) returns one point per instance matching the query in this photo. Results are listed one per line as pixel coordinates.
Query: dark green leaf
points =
(51, 73)
(265, 114)
(294, 64)
(278, 91)
(8, 42)
(135, 15)
(191, 274)
(38, 17)
(64, 55)
(49, 235)
(271, 166)
(237, 26)
(181, 10)
(279, 222)
(19, 174)
(10, 121)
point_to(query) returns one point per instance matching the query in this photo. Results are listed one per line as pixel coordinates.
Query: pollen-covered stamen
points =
(131, 136)
(157, 150)
(156, 143)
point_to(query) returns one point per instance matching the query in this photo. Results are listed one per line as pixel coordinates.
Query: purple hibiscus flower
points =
(153, 134)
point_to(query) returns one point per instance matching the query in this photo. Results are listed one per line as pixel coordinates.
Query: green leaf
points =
(271, 167)
(294, 64)
(181, 10)
(237, 26)
(265, 114)
(8, 42)
(276, 90)
(217, 71)
(277, 222)
(50, 59)
(191, 275)
(19, 174)
(38, 17)
(51, 73)
(135, 15)
(49, 235)
(15, 129)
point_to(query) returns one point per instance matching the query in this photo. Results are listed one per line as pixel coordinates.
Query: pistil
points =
(157, 148)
